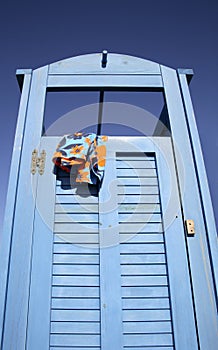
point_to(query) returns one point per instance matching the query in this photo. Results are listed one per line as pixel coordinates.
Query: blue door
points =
(109, 267)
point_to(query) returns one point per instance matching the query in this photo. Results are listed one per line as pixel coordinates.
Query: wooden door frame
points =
(86, 72)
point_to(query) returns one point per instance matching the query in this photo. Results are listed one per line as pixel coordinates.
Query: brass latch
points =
(190, 227)
(38, 162)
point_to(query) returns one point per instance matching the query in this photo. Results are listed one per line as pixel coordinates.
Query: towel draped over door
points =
(82, 154)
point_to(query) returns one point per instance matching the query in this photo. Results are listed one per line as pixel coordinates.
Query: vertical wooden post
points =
(6, 237)
(201, 175)
(18, 282)
(200, 269)
(181, 298)
(110, 275)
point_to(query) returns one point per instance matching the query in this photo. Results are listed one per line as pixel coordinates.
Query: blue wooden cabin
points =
(132, 265)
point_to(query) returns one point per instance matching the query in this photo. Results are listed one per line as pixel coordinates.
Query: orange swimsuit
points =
(83, 153)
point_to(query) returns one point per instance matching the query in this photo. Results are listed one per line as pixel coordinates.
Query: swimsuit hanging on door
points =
(82, 154)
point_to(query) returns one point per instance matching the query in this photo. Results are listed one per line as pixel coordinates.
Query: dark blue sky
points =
(176, 34)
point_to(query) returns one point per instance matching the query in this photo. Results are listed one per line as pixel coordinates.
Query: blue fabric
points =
(84, 154)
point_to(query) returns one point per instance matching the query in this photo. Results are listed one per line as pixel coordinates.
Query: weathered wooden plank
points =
(119, 64)
(162, 347)
(140, 227)
(140, 199)
(75, 304)
(147, 327)
(76, 339)
(175, 244)
(75, 227)
(75, 327)
(139, 208)
(18, 303)
(99, 81)
(145, 303)
(148, 340)
(143, 270)
(85, 217)
(135, 163)
(75, 270)
(77, 238)
(76, 348)
(136, 173)
(135, 154)
(70, 248)
(146, 315)
(76, 259)
(110, 280)
(141, 238)
(142, 248)
(75, 292)
(76, 208)
(138, 181)
(91, 281)
(6, 234)
(202, 176)
(129, 281)
(58, 239)
(134, 217)
(75, 199)
(142, 258)
(138, 190)
(145, 291)
(74, 315)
